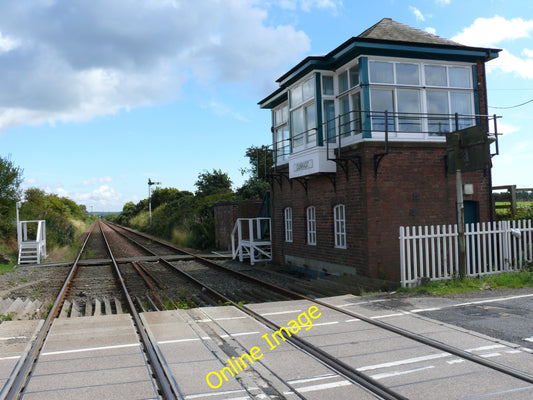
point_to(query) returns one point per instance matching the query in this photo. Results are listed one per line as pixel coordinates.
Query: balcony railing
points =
(354, 126)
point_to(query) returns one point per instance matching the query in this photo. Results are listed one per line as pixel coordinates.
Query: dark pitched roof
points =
(388, 29)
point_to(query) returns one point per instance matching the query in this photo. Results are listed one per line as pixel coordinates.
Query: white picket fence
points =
(432, 252)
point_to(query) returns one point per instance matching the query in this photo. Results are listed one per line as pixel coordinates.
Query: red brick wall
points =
(411, 188)
(226, 215)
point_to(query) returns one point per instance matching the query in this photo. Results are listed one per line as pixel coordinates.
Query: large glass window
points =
(438, 110)
(382, 100)
(329, 115)
(344, 114)
(340, 226)
(461, 103)
(356, 112)
(407, 90)
(436, 75)
(343, 82)
(407, 74)
(311, 226)
(282, 140)
(354, 75)
(327, 86)
(303, 113)
(288, 224)
(460, 77)
(381, 72)
(409, 110)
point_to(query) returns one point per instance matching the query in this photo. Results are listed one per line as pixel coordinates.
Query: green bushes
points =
(65, 219)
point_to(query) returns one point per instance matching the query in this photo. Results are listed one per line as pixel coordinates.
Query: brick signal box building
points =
(359, 138)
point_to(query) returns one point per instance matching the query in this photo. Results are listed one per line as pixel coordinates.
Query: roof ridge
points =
(389, 29)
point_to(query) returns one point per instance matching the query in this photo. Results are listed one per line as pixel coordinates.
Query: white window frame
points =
(283, 146)
(308, 138)
(339, 219)
(288, 225)
(311, 225)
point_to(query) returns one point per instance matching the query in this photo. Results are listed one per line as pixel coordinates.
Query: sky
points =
(98, 96)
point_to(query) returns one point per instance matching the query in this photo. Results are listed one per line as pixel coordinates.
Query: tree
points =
(261, 161)
(10, 193)
(209, 183)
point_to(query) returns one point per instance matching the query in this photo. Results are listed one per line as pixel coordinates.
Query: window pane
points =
(327, 86)
(354, 76)
(381, 100)
(459, 77)
(329, 114)
(381, 72)
(436, 75)
(340, 226)
(356, 112)
(409, 103)
(461, 103)
(282, 143)
(296, 96)
(437, 103)
(311, 226)
(297, 126)
(288, 224)
(310, 119)
(309, 89)
(280, 115)
(343, 82)
(344, 112)
(407, 74)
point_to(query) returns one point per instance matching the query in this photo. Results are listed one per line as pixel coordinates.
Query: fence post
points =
(402, 256)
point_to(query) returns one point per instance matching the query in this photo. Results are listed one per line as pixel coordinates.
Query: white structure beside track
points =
(250, 238)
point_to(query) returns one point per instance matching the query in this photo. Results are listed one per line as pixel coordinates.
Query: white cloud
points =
(528, 53)
(491, 31)
(95, 181)
(308, 5)
(507, 62)
(417, 13)
(7, 43)
(99, 57)
(433, 31)
(442, 2)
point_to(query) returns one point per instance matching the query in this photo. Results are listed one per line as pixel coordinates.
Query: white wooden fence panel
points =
(432, 252)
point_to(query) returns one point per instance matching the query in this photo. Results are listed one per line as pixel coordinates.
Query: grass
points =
(510, 280)
(6, 268)
(7, 317)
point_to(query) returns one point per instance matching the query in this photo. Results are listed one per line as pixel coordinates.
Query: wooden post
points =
(460, 202)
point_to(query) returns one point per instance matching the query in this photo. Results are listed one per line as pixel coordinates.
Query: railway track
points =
(349, 371)
(155, 283)
(22, 373)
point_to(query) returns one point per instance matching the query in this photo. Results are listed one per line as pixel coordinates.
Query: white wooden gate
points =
(432, 252)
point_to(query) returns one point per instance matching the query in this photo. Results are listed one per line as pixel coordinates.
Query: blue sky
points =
(98, 96)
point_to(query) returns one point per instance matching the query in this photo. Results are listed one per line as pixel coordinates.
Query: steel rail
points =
(169, 390)
(333, 363)
(12, 389)
(515, 373)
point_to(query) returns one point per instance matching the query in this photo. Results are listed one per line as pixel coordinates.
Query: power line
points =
(518, 105)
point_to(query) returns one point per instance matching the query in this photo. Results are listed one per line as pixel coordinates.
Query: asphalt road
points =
(503, 314)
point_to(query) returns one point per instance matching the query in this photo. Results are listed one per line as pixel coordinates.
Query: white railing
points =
(250, 238)
(33, 249)
(432, 252)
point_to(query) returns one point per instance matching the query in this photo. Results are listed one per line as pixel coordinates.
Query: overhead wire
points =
(518, 105)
